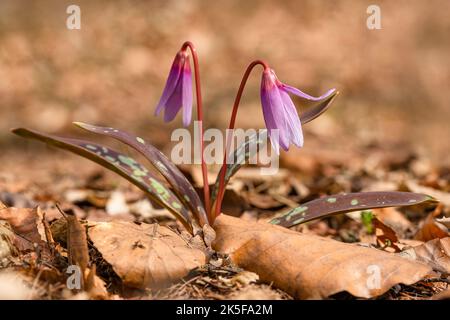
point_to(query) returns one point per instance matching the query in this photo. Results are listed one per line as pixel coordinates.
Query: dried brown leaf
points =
(26, 224)
(308, 266)
(393, 218)
(95, 286)
(386, 237)
(145, 255)
(6, 242)
(431, 229)
(435, 253)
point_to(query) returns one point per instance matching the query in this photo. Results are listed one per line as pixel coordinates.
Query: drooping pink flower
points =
(177, 93)
(280, 113)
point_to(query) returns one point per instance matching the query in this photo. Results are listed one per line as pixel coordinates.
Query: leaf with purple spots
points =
(342, 203)
(121, 164)
(240, 156)
(181, 186)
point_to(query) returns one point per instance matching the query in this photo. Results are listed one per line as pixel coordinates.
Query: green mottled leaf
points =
(123, 165)
(343, 203)
(181, 186)
(239, 157)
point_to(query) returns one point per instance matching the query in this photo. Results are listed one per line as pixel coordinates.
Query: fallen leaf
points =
(145, 255)
(95, 286)
(311, 267)
(386, 237)
(6, 242)
(435, 253)
(394, 219)
(26, 224)
(431, 229)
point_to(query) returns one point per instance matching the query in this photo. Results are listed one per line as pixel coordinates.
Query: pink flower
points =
(178, 90)
(280, 113)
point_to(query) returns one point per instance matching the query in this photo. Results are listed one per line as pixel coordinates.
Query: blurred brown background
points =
(394, 82)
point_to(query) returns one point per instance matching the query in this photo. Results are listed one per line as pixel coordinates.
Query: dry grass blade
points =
(77, 245)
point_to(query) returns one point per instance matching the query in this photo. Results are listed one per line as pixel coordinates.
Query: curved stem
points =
(237, 100)
(198, 93)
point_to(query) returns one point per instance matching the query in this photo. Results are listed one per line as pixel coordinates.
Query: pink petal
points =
(171, 83)
(187, 94)
(274, 113)
(174, 103)
(293, 120)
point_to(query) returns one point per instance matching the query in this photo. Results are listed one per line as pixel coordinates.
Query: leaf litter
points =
(210, 277)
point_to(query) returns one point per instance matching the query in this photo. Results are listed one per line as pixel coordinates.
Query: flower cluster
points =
(278, 108)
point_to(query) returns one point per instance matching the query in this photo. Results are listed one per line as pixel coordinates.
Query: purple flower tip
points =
(178, 90)
(280, 115)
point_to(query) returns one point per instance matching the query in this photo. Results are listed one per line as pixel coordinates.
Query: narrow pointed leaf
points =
(181, 186)
(123, 165)
(342, 203)
(240, 156)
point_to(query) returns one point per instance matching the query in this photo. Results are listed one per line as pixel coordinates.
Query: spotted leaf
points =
(181, 186)
(239, 157)
(343, 203)
(123, 165)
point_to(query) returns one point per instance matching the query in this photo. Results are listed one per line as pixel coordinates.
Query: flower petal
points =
(306, 96)
(293, 120)
(174, 103)
(274, 114)
(187, 94)
(171, 82)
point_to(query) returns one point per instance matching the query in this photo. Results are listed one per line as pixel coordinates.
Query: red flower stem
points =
(198, 93)
(237, 100)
